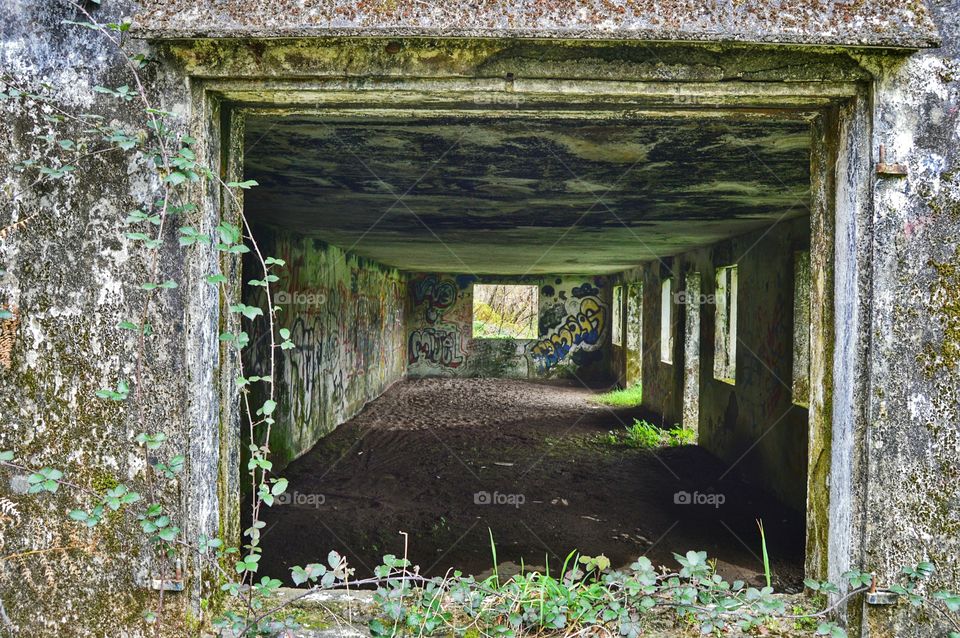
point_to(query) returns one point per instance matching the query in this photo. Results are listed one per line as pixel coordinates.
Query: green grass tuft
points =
(626, 398)
(645, 435)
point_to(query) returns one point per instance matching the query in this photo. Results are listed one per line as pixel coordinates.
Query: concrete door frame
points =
(841, 208)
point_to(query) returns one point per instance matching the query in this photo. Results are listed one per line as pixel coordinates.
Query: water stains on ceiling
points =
(522, 195)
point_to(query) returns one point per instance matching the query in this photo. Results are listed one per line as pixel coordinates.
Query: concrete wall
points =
(71, 278)
(756, 413)
(908, 483)
(573, 341)
(346, 319)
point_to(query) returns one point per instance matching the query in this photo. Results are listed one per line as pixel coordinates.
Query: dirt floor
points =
(447, 459)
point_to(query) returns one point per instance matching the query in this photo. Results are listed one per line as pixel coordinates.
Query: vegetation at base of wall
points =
(626, 398)
(644, 435)
(586, 597)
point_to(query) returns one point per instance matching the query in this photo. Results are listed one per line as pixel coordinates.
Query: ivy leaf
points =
(248, 184)
(176, 178)
(268, 407)
(279, 487)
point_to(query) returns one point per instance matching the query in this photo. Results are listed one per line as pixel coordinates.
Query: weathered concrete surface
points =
(877, 23)
(72, 279)
(346, 320)
(574, 327)
(910, 482)
(66, 270)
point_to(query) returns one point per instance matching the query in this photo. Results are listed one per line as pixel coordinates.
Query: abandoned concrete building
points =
(485, 218)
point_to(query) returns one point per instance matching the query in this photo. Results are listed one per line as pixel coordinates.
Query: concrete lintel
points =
(566, 97)
(880, 23)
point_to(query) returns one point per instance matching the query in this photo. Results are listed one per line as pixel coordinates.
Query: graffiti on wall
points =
(435, 295)
(346, 320)
(436, 341)
(572, 329)
(438, 346)
(584, 329)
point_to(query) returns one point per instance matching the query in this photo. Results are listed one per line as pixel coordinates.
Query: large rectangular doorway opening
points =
(421, 396)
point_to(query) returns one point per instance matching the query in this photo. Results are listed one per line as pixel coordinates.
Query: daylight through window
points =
(503, 311)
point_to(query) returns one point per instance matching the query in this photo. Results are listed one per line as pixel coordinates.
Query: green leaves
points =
(5, 314)
(266, 281)
(190, 236)
(120, 394)
(240, 339)
(205, 543)
(267, 408)
(148, 241)
(231, 238)
(118, 496)
(169, 284)
(157, 525)
(172, 468)
(950, 599)
(147, 329)
(821, 586)
(138, 216)
(246, 185)
(6, 456)
(58, 172)
(858, 579)
(124, 92)
(286, 344)
(250, 312)
(831, 629)
(249, 563)
(151, 441)
(44, 480)
(311, 573)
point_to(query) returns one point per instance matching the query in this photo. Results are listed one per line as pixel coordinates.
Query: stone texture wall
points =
(573, 341)
(756, 413)
(71, 278)
(346, 320)
(910, 483)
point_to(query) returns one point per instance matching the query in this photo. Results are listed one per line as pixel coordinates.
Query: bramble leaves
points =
(44, 480)
(151, 441)
(120, 394)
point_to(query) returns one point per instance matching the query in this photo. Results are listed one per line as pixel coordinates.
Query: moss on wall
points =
(345, 315)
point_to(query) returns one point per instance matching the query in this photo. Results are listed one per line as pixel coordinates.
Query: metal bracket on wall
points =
(174, 584)
(882, 597)
(890, 169)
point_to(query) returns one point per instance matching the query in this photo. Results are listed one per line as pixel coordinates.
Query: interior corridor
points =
(447, 459)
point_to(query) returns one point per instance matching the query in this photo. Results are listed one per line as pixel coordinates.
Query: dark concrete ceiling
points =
(521, 195)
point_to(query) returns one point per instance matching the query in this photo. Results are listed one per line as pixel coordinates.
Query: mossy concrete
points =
(72, 279)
